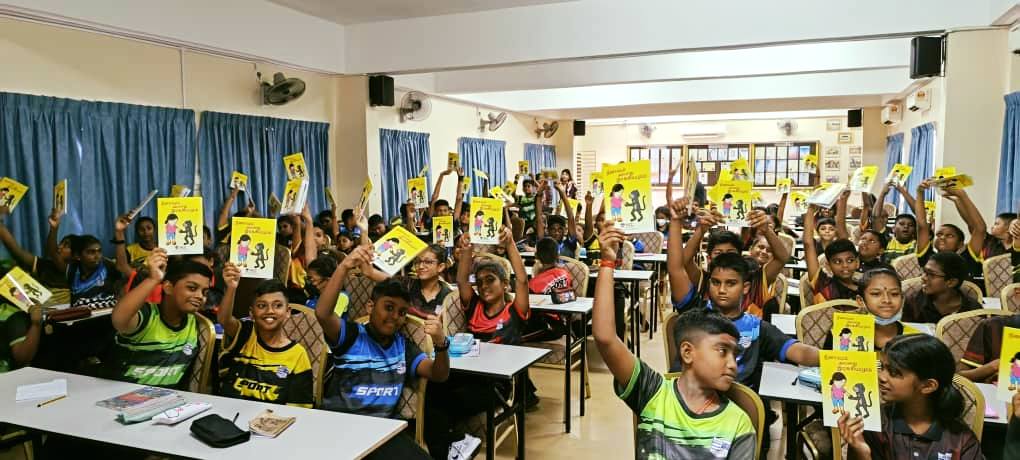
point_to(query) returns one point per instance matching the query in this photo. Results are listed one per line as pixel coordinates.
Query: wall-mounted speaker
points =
(380, 90)
(853, 118)
(579, 127)
(925, 57)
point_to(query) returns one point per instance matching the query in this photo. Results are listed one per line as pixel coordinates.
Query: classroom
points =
(546, 229)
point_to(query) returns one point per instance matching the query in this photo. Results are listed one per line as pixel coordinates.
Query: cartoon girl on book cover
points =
(1014, 372)
(838, 391)
(479, 221)
(844, 339)
(727, 205)
(616, 202)
(386, 245)
(242, 250)
(171, 229)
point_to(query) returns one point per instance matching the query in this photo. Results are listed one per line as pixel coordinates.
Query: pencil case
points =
(461, 344)
(811, 378)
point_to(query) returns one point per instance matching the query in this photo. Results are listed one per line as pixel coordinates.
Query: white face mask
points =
(661, 222)
(886, 322)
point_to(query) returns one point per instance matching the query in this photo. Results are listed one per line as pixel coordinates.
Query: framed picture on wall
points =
(832, 151)
(846, 138)
(833, 125)
(855, 150)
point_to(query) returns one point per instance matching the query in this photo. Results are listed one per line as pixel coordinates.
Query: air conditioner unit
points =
(705, 131)
(919, 100)
(891, 114)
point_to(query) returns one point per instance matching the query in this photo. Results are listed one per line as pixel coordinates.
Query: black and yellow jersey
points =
(254, 370)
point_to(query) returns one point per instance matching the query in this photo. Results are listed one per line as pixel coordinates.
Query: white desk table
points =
(582, 308)
(316, 433)
(635, 277)
(659, 258)
(502, 362)
(992, 302)
(785, 323)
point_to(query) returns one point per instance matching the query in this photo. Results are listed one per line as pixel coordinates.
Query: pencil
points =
(58, 398)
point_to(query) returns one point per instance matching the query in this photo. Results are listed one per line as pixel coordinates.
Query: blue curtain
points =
(486, 155)
(893, 153)
(1009, 186)
(112, 155)
(540, 157)
(403, 154)
(256, 146)
(922, 157)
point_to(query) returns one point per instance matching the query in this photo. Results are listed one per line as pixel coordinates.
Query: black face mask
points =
(311, 290)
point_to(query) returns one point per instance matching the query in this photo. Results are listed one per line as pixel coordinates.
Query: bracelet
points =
(607, 264)
(441, 348)
(118, 241)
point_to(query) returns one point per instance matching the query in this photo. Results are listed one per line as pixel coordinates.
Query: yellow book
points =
(395, 249)
(452, 160)
(800, 203)
(424, 170)
(365, 191)
(239, 181)
(465, 185)
(929, 209)
(740, 170)
(1009, 364)
(945, 171)
(22, 290)
(863, 179)
(329, 198)
(524, 168)
(252, 243)
(481, 174)
(853, 332)
(60, 198)
(549, 174)
(179, 191)
(295, 166)
(498, 193)
(757, 199)
(630, 188)
(180, 225)
(11, 192)
(850, 385)
(574, 204)
(899, 174)
(784, 185)
(725, 176)
(954, 182)
(826, 194)
(811, 163)
(734, 201)
(510, 188)
(690, 179)
(295, 194)
(486, 220)
(274, 205)
(442, 230)
(416, 191)
(597, 185)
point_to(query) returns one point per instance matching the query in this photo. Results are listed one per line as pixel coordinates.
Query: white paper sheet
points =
(47, 390)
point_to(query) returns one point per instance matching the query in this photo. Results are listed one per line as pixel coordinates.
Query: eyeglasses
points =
(426, 262)
(932, 274)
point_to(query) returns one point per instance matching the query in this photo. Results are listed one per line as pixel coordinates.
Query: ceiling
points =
(364, 11)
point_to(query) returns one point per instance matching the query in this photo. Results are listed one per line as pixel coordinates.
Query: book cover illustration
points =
(944, 172)
(1009, 364)
(486, 220)
(22, 290)
(416, 192)
(465, 186)
(60, 198)
(239, 181)
(826, 195)
(452, 160)
(853, 332)
(365, 191)
(524, 167)
(929, 210)
(295, 166)
(295, 195)
(740, 170)
(136, 398)
(11, 192)
(899, 174)
(863, 178)
(811, 163)
(395, 249)
(179, 222)
(270, 425)
(179, 191)
(630, 188)
(800, 202)
(850, 386)
(597, 185)
(252, 246)
(784, 185)
(953, 182)
(274, 205)
(734, 201)
(442, 231)
(757, 199)
(498, 193)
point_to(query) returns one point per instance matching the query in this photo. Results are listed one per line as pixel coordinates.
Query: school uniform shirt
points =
(259, 372)
(156, 353)
(920, 308)
(46, 272)
(973, 262)
(993, 247)
(420, 306)
(897, 441)
(137, 254)
(667, 428)
(526, 208)
(367, 378)
(98, 290)
(894, 248)
(14, 324)
(827, 288)
(985, 344)
(567, 247)
(505, 327)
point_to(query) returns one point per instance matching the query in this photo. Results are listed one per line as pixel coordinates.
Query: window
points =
(710, 159)
(662, 159)
(584, 165)
(784, 160)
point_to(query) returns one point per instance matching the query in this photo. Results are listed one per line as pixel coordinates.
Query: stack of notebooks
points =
(142, 404)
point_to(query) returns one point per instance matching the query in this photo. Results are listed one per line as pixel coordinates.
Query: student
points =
(870, 249)
(980, 361)
(526, 204)
(825, 228)
(441, 207)
(376, 359)
(549, 279)
(904, 233)
(881, 293)
(207, 258)
(170, 324)
(145, 240)
(317, 275)
(426, 288)
(940, 295)
(921, 407)
(93, 278)
(20, 334)
(558, 227)
(841, 256)
(376, 227)
(683, 417)
(949, 238)
(260, 363)
(223, 220)
(50, 270)
(998, 241)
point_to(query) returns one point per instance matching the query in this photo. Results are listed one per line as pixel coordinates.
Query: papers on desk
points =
(142, 404)
(47, 390)
(269, 425)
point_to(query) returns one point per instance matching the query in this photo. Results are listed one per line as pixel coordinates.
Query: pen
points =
(235, 418)
(58, 398)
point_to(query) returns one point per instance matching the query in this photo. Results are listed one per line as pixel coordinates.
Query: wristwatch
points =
(442, 348)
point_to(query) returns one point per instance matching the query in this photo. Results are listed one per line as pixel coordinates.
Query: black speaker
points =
(579, 127)
(853, 118)
(925, 57)
(380, 90)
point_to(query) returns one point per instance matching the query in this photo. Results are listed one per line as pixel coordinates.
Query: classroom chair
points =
(199, 378)
(15, 443)
(779, 289)
(823, 264)
(627, 256)
(453, 315)
(815, 322)
(907, 267)
(807, 293)
(819, 441)
(412, 401)
(302, 327)
(669, 339)
(359, 291)
(998, 273)
(973, 404)
(788, 241)
(1009, 299)
(955, 330)
(914, 285)
(651, 240)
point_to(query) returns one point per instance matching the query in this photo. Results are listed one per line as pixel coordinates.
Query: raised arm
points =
(436, 190)
(878, 217)
(52, 248)
(589, 221)
(225, 213)
(923, 229)
(540, 211)
(911, 202)
(465, 263)
(125, 316)
(571, 219)
(975, 223)
(706, 220)
(782, 208)
(436, 369)
(24, 258)
(24, 351)
(619, 360)
(780, 254)
(841, 231)
(311, 247)
(679, 281)
(810, 253)
(459, 205)
(522, 298)
(669, 183)
(120, 247)
(866, 206)
(328, 319)
(225, 313)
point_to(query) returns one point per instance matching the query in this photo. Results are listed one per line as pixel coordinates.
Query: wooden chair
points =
(359, 291)
(998, 273)
(199, 377)
(302, 327)
(1010, 297)
(627, 256)
(972, 290)
(651, 240)
(412, 400)
(14, 441)
(814, 323)
(955, 330)
(911, 287)
(788, 241)
(907, 267)
(454, 318)
(807, 293)
(669, 340)
(779, 288)
(820, 440)
(973, 404)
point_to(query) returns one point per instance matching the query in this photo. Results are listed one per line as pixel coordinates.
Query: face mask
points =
(886, 322)
(661, 222)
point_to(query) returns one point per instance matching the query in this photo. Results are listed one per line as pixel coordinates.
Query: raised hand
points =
(122, 223)
(588, 199)
(758, 219)
(434, 329)
(610, 239)
(361, 255)
(678, 208)
(53, 219)
(156, 263)
(231, 275)
(506, 237)
(851, 429)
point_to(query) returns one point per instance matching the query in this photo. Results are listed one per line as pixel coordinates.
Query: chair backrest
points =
(651, 240)
(907, 267)
(627, 256)
(955, 330)
(454, 319)
(973, 404)
(359, 291)
(911, 287)
(815, 322)
(302, 327)
(779, 289)
(412, 400)
(199, 380)
(998, 272)
(1010, 297)
(788, 241)
(281, 263)
(668, 339)
(972, 290)
(807, 294)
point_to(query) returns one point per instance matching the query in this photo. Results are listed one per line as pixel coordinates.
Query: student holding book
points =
(950, 238)
(145, 240)
(998, 240)
(426, 288)
(223, 220)
(940, 293)
(45, 269)
(921, 407)
(20, 334)
(902, 240)
(681, 417)
(881, 293)
(841, 256)
(559, 229)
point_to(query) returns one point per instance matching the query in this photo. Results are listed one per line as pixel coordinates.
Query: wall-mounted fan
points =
(415, 106)
(548, 129)
(282, 90)
(787, 126)
(493, 121)
(647, 130)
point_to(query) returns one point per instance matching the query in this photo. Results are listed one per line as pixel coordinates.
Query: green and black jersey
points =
(256, 371)
(156, 354)
(14, 325)
(668, 429)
